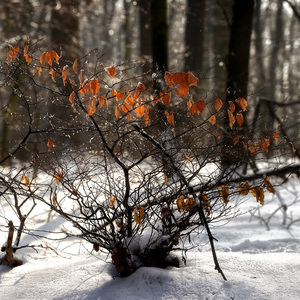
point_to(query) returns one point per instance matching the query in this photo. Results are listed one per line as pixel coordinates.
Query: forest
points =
(134, 128)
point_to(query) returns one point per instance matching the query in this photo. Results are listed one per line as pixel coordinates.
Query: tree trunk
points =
(65, 27)
(159, 35)
(145, 34)
(237, 75)
(239, 49)
(194, 35)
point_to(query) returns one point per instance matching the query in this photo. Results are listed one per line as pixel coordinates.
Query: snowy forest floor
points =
(258, 263)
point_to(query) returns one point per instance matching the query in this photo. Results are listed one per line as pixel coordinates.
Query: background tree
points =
(194, 35)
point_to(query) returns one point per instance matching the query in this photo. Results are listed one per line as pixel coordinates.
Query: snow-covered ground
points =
(258, 263)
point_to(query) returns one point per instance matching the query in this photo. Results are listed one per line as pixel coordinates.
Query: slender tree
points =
(237, 71)
(159, 35)
(194, 34)
(239, 49)
(145, 34)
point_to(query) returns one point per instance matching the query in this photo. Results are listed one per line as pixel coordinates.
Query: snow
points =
(258, 263)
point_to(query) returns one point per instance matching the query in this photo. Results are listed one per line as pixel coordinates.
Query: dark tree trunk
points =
(145, 34)
(239, 49)
(218, 27)
(194, 35)
(237, 76)
(65, 27)
(159, 35)
(258, 42)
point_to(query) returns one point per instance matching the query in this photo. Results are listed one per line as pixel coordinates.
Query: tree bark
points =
(237, 75)
(239, 49)
(145, 34)
(159, 35)
(194, 35)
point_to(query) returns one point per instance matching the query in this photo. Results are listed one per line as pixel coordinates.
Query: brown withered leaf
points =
(244, 188)
(258, 193)
(240, 119)
(170, 117)
(231, 106)
(224, 192)
(212, 120)
(138, 214)
(111, 71)
(242, 103)
(268, 185)
(75, 65)
(218, 104)
(26, 181)
(58, 178)
(231, 119)
(275, 136)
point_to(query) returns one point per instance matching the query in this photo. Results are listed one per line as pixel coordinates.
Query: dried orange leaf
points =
(224, 192)
(166, 98)
(26, 181)
(293, 148)
(80, 76)
(129, 99)
(120, 95)
(212, 120)
(112, 201)
(140, 110)
(236, 140)
(231, 106)
(268, 185)
(84, 87)
(185, 203)
(138, 214)
(139, 90)
(114, 94)
(27, 56)
(39, 69)
(264, 144)
(72, 97)
(50, 56)
(43, 58)
(258, 192)
(239, 119)
(111, 71)
(126, 108)
(58, 177)
(166, 179)
(101, 100)
(54, 202)
(64, 74)
(94, 86)
(184, 90)
(170, 117)
(91, 103)
(75, 64)
(197, 107)
(242, 103)
(50, 144)
(117, 111)
(52, 73)
(275, 136)
(231, 119)
(244, 188)
(218, 104)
